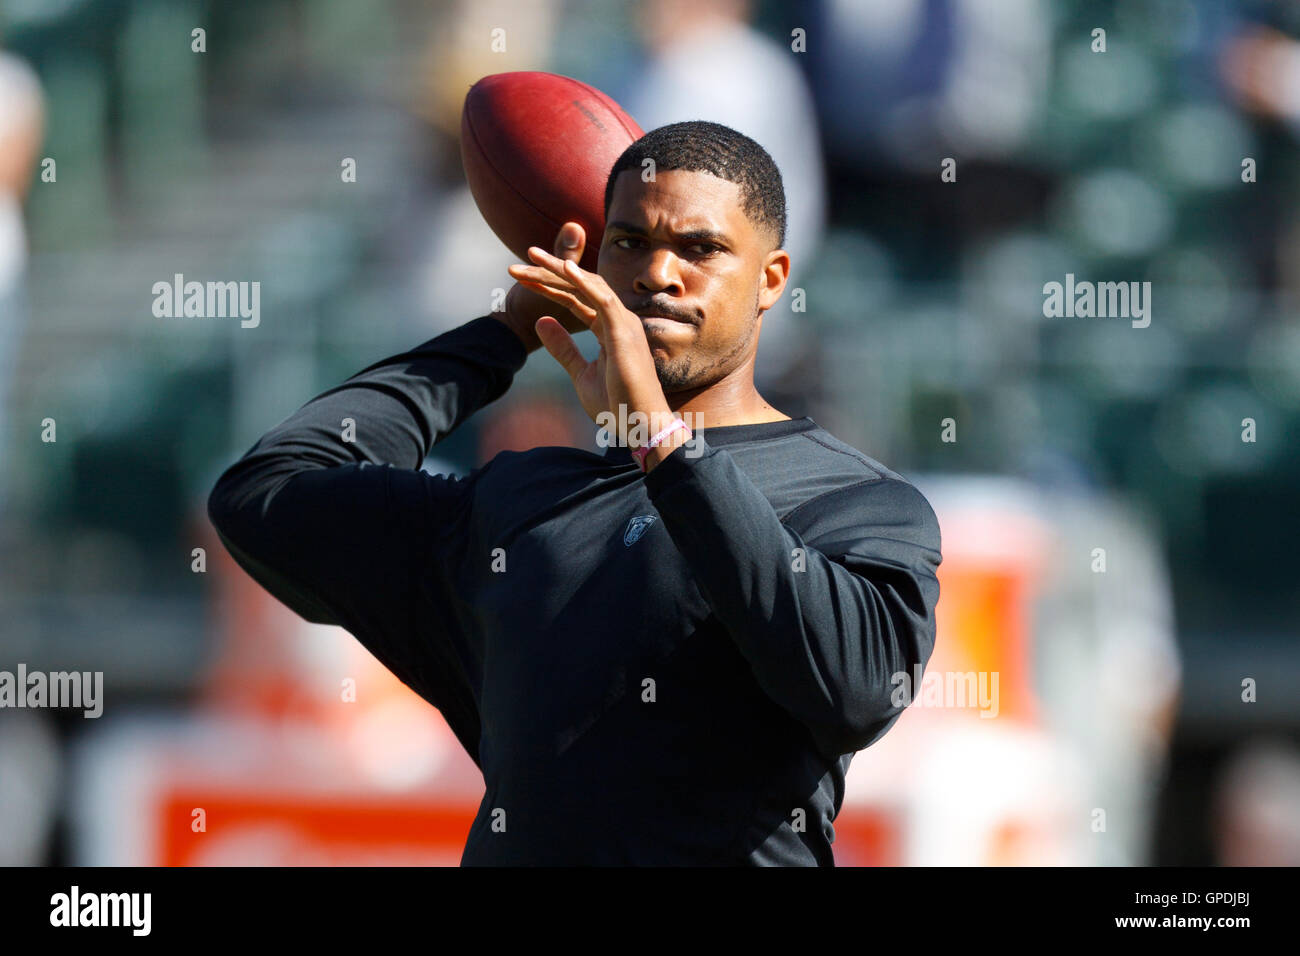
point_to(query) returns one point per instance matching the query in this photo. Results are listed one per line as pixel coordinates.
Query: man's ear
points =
(776, 270)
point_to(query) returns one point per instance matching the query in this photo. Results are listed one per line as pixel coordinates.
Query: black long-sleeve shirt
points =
(664, 668)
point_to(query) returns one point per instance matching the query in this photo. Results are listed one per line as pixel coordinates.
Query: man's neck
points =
(719, 406)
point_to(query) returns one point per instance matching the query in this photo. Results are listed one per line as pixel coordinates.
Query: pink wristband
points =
(640, 453)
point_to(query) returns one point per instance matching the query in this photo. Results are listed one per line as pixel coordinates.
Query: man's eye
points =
(628, 239)
(705, 248)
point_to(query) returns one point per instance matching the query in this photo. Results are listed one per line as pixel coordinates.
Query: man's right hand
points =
(524, 306)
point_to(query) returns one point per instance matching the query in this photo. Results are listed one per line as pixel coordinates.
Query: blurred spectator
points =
(1257, 807)
(906, 82)
(21, 126)
(1262, 68)
(474, 39)
(707, 63)
(30, 771)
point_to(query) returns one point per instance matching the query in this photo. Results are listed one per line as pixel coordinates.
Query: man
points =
(672, 666)
(757, 88)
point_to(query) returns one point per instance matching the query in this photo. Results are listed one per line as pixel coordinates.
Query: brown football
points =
(537, 149)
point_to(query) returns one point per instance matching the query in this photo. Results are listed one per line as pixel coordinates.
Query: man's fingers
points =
(561, 346)
(591, 287)
(585, 294)
(547, 261)
(571, 241)
(539, 275)
(564, 297)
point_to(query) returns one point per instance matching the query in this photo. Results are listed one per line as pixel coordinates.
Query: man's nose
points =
(660, 274)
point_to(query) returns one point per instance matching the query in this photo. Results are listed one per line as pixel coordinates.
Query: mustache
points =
(667, 309)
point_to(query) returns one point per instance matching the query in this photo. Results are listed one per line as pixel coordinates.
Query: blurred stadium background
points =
(1120, 691)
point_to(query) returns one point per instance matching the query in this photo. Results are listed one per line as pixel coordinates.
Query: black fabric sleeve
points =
(824, 627)
(352, 532)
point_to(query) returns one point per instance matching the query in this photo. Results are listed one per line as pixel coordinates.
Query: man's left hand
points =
(623, 372)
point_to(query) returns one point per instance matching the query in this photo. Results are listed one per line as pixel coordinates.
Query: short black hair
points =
(700, 146)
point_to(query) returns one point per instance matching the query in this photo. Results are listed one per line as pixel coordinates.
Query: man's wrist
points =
(665, 448)
(527, 336)
(674, 439)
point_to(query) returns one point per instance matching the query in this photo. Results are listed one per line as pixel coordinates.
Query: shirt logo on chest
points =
(636, 527)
